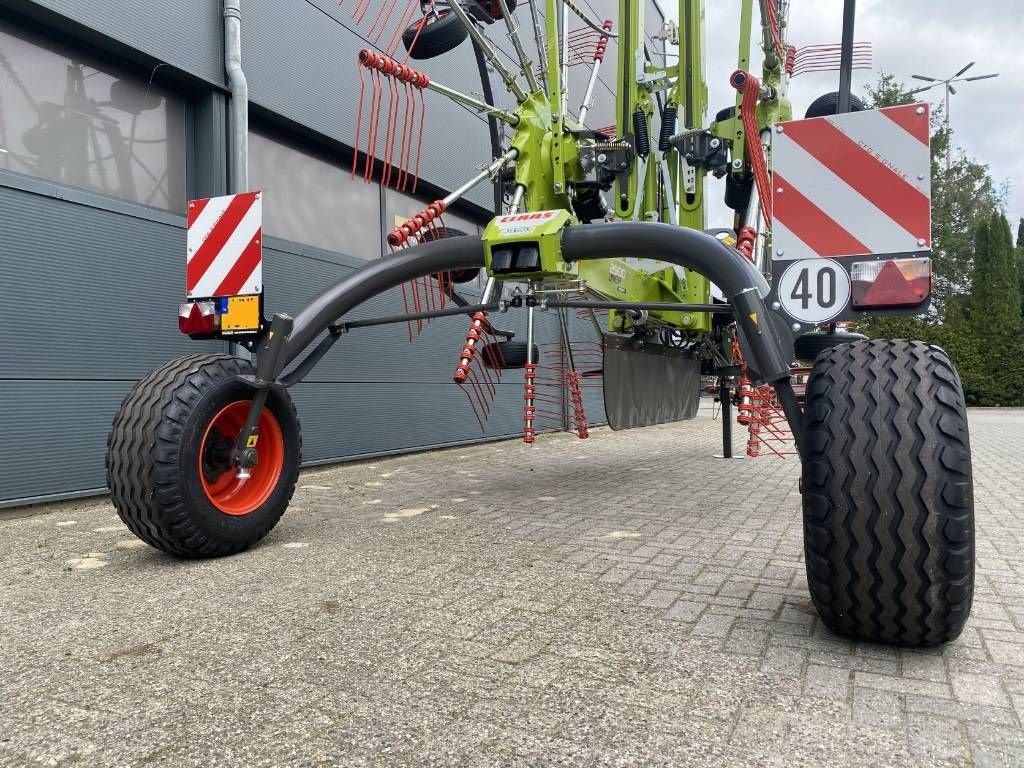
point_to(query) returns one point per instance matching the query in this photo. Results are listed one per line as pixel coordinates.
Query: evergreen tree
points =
(1020, 264)
(995, 314)
(995, 295)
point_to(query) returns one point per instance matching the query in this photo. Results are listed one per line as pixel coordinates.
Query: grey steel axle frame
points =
(765, 335)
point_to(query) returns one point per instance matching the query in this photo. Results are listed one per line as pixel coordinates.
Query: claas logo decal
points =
(526, 217)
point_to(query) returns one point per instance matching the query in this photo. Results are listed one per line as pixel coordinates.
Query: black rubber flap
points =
(648, 384)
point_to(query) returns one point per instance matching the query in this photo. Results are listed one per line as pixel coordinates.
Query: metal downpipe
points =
(239, 109)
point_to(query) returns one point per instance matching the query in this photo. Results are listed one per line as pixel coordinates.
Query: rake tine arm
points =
(517, 42)
(538, 37)
(602, 45)
(468, 101)
(486, 173)
(488, 50)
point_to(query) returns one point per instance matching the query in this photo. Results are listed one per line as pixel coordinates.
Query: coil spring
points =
(668, 127)
(643, 136)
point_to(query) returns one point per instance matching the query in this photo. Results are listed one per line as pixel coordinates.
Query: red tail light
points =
(197, 318)
(891, 282)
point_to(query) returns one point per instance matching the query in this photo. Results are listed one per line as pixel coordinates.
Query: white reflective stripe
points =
(230, 253)
(838, 200)
(792, 247)
(253, 281)
(890, 143)
(202, 226)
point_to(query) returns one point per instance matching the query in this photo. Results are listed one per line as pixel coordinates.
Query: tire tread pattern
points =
(887, 493)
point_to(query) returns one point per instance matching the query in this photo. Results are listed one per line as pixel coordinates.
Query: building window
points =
(69, 118)
(314, 201)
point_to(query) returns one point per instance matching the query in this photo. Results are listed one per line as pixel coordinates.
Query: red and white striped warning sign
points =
(852, 184)
(225, 246)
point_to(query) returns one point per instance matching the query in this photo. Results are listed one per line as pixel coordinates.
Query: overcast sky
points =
(928, 37)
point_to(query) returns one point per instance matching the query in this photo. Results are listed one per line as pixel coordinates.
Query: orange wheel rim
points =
(221, 484)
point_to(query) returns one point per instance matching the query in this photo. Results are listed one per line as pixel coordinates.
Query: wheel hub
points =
(216, 455)
(243, 491)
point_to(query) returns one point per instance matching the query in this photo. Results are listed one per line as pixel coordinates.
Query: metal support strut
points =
(726, 375)
(244, 455)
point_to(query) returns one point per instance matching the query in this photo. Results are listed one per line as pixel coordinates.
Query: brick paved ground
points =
(621, 601)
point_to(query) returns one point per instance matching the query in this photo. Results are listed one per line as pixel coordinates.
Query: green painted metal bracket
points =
(621, 281)
(527, 246)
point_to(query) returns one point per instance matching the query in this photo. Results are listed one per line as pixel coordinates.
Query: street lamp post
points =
(947, 84)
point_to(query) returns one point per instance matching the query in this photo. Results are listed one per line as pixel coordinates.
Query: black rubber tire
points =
(441, 34)
(507, 355)
(457, 275)
(153, 458)
(810, 345)
(888, 501)
(828, 104)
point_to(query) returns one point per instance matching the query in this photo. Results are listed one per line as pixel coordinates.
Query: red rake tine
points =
(390, 6)
(488, 382)
(389, 137)
(442, 286)
(371, 127)
(403, 24)
(442, 230)
(423, 22)
(485, 408)
(443, 279)
(407, 162)
(487, 387)
(414, 289)
(359, 115)
(401, 107)
(412, 44)
(494, 351)
(472, 406)
(419, 144)
(406, 139)
(360, 10)
(405, 303)
(428, 294)
(371, 143)
(495, 356)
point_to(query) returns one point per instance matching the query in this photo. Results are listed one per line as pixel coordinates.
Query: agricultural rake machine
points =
(831, 224)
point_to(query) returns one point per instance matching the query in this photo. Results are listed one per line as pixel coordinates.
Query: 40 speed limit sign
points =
(813, 290)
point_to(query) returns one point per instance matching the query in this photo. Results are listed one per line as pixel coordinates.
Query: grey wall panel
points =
(87, 293)
(184, 34)
(301, 63)
(53, 435)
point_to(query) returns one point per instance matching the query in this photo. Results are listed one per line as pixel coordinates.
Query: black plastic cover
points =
(648, 384)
